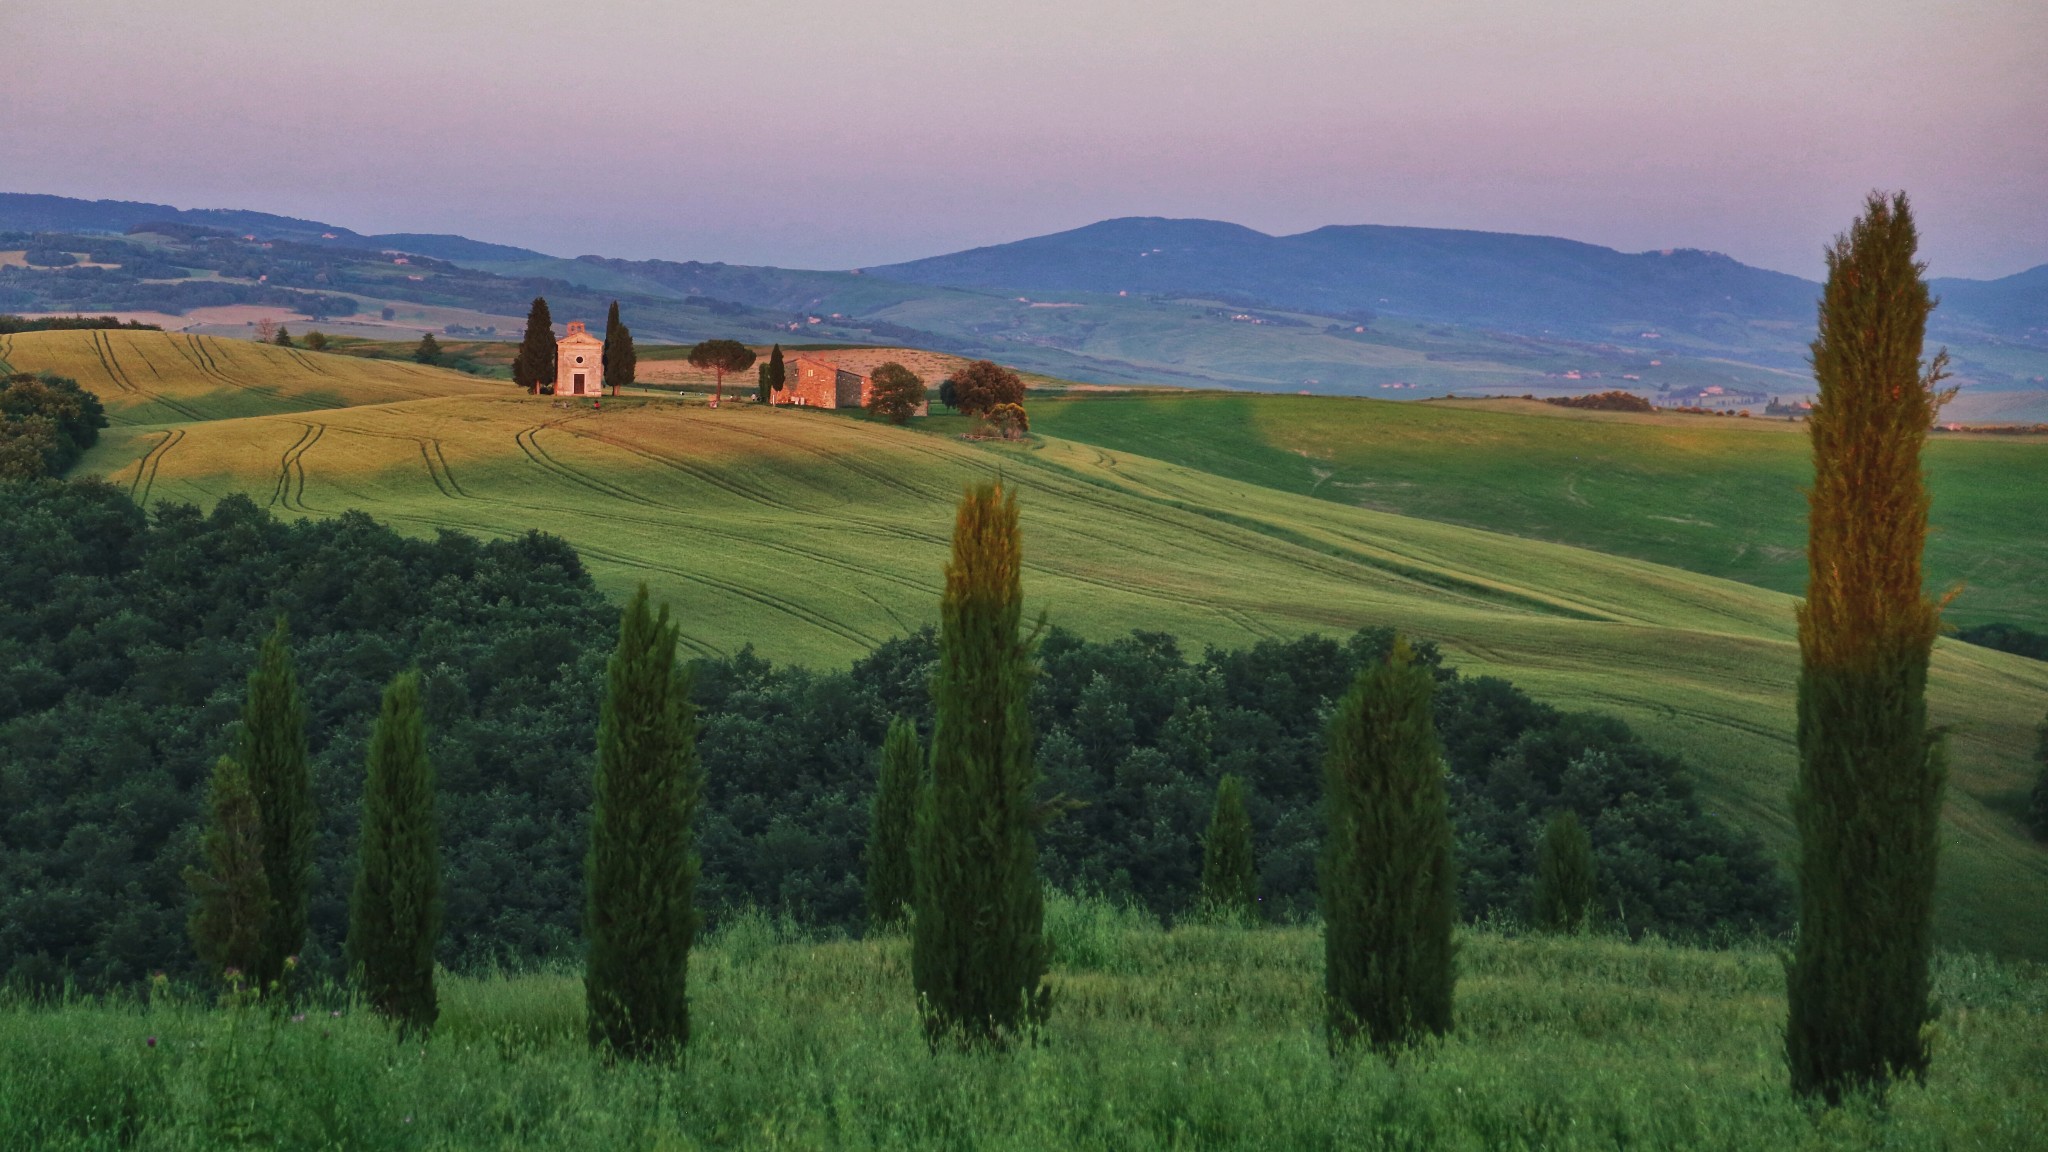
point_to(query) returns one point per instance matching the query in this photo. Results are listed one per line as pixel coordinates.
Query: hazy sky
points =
(857, 132)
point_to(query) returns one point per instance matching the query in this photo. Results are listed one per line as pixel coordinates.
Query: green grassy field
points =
(1722, 496)
(1194, 1038)
(813, 536)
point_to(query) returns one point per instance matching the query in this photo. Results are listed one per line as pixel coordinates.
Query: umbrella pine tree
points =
(893, 822)
(978, 947)
(1387, 880)
(394, 916)
(1871, 770)
(641, 872)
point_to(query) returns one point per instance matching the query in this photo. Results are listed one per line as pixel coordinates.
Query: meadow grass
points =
(814, 536)
(1197, 1037)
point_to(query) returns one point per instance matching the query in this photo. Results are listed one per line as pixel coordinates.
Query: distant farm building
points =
(818, 383)
(579, 363)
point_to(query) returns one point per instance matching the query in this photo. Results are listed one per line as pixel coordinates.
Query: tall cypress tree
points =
(535, 363)
(394, 917)
(1871, 769)
(232, 895)
(892, 824)
(642, 870)
(625, 362)
(978, 950)
(1230, 878)
(777, 374)
(1564, 874)
(1387, 881)
(611, 338)
(274, 754)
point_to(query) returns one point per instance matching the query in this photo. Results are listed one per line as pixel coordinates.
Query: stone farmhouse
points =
(579, 363)
(813, 382)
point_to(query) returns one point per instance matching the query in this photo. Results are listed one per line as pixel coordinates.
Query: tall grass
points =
(1202, 1036)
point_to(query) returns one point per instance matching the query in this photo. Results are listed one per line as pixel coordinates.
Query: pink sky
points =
(860, 132)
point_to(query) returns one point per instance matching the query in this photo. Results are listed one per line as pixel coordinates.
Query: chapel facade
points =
(579, 363)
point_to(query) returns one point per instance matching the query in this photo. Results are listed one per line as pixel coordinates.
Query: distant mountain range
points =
(1342, 308)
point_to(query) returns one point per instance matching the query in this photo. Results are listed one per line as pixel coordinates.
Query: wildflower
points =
(336, 1013)
(299, 1019)
(151, 1041)
(291, 963)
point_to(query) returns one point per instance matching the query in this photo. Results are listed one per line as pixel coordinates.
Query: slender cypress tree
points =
(625, 363)
(1871, 769)
(394, 918)
(1564, 874)
(611, 339)
(1387, 882)
(762, 392)
(892, 825)
(1230, 878)
(777, 374)
(642, 870)
(534, 365)
(232, 894)
(274, 754)
(978, 950)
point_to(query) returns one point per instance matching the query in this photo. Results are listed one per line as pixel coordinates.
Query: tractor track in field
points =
(701, 473)
(291, 469)
(306, 362)
(145, 468)
(528, 440)
(119, 379)
(815, 619)
(110, 360)
(431, 455)
(1278, 537)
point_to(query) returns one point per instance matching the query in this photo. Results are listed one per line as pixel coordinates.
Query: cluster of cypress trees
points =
(251, 899)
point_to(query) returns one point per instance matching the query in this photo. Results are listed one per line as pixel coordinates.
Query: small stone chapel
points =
(579, 363)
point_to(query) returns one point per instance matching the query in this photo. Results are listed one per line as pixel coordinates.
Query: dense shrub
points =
(2007, 638)
(125, 641)
(12, 324)
(46, 423)
(1604, 402)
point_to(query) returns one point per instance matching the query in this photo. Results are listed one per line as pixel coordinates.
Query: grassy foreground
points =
(1191, 1038)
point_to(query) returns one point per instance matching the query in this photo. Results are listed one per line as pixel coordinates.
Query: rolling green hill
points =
(1720, 496)
(813, 536)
